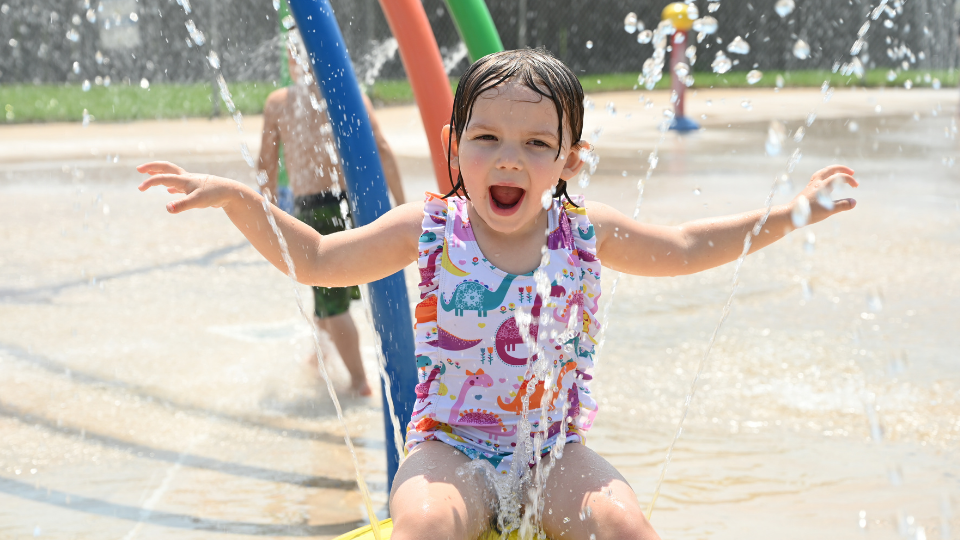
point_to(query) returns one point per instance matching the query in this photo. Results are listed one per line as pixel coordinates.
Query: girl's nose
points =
(508, 158)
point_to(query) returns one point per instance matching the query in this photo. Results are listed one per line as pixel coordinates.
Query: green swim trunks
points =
(322, 212)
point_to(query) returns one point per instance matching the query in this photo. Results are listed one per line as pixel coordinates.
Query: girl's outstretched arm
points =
(655, 250)
(341, 259)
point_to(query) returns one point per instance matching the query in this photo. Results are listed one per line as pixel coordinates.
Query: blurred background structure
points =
(152, 45)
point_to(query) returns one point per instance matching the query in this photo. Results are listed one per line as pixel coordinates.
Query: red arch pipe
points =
(431, 88)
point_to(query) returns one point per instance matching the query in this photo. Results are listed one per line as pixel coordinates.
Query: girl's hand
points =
(202, 190)
(817, 195)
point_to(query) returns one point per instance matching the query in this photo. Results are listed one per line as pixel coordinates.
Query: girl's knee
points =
(617, 520)
(436, 519)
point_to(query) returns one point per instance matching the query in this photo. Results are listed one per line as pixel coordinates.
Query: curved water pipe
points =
(367, 193)
(431, 88)
(476, 28)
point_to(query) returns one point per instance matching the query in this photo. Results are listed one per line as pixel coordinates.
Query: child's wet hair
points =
(535, 69)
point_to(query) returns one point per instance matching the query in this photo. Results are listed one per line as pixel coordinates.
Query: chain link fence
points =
(56, 41)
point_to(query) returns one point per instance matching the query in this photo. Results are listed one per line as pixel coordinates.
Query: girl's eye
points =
(537, 142)
(486, 138)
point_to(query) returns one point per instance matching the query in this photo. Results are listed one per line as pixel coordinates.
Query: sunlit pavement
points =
(153, 375)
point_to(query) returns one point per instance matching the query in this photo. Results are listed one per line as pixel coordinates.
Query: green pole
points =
(476, 28)
(283, 180)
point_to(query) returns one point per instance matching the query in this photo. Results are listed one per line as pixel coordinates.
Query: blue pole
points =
(367, 193)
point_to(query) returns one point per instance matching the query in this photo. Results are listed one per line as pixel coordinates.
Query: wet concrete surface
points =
(153, 380)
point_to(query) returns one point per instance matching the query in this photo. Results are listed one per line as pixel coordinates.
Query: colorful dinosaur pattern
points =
(471, 357)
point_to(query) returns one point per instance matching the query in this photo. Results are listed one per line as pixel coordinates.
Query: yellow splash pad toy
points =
(386, 527)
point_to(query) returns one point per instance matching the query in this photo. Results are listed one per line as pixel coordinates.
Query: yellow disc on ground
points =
(677, 14)
(386, 527)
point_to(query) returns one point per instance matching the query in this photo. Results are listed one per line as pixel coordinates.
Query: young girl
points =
(510, 284)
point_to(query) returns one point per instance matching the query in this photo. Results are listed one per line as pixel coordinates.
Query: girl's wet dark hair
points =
(536, 69)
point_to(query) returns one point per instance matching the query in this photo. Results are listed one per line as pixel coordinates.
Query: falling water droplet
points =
(801, 50)
(825, 197)
(721, 64)
(134, 17)
(798, 135)
(746, 104)
(276, 5)
(98, 57)
(681, 69)
(784, 7)
(195, 34)
(908, 84)
(780, 81)
(106, 81)
(794, 160)
(811, 118)
(712, 7)
(738, 46)
(547, 199)
(888, 23)
(754, 76)
(86, 118)
(76, 68)
(73, 35)
(144, 83)
(86, 85)
(644, 37)
(853, 127)
(935, 84)
(776, 134)
(214, 60)
(589, 44)
(75, 20)
(611, 108)
(696, 191)
(630, 22)
(800, 215)
(588, 104)
(863, 519)
(707, 25)
(91, 16)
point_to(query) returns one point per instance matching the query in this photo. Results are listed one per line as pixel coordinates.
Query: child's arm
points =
(341, 259)
(391, 171)
(270, 142)
(655, 250)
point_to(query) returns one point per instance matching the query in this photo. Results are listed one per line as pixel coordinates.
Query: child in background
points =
(296, 116)
(510, 288)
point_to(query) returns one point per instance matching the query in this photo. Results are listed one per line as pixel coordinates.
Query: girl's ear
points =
(573, 164)
(450, 147)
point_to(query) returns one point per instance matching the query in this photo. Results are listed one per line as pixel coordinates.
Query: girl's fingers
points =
(171, 181)
(843, 205)
(186, 203)
(827, 172)
(160, 167)
(845, 178)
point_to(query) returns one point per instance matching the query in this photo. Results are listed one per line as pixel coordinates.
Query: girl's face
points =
(507, 156)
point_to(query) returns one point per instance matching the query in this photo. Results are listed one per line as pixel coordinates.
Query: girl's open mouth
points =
(506, 197)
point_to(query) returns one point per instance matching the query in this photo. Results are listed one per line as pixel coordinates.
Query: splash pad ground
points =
(152, 381)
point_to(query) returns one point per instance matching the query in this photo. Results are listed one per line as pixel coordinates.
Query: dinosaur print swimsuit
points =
(490, 343)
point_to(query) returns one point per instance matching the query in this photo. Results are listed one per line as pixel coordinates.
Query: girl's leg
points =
(431, 498)
(583, 483)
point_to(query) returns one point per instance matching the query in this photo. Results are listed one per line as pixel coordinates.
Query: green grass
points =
(794, 79)
(66, 103)
(119, 102)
